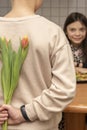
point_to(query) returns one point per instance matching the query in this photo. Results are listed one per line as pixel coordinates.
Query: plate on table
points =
(81, 77)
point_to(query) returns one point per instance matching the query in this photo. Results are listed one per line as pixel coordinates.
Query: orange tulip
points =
(25, 42)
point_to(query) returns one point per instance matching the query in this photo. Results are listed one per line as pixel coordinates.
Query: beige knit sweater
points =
(47, 82)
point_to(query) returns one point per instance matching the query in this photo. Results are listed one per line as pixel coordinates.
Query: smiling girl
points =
(75, 28)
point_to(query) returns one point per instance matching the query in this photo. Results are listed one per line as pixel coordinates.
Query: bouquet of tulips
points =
(12, 62)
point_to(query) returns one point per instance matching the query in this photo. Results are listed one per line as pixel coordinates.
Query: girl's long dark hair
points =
(73, 17)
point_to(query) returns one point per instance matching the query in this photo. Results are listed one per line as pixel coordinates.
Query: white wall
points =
(55, 10)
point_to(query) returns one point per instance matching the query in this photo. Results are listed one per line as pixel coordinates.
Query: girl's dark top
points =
(78, 55)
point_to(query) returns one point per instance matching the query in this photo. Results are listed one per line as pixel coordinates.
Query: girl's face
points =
(76, 32)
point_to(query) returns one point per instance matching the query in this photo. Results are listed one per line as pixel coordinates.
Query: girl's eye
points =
(72, 29)
(83, 29)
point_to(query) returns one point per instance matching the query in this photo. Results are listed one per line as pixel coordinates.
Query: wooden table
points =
(75, 113)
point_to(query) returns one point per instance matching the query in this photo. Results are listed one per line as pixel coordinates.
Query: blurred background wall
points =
(54, 10)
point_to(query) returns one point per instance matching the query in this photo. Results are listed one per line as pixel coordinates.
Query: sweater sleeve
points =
(62, 88)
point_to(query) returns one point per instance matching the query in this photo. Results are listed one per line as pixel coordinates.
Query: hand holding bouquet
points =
(11, 66)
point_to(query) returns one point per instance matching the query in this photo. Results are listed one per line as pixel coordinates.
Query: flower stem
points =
(4, 127)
